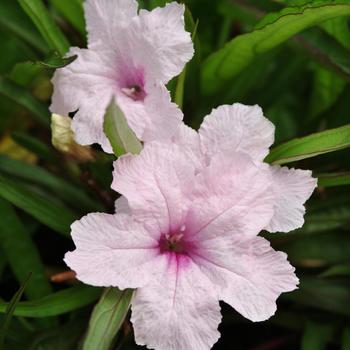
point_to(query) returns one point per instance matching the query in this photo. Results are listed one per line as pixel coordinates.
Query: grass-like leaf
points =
(311, 146)
(272, 31)
(57, 303)
(331, 180)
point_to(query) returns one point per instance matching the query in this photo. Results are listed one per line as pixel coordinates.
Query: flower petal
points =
(184, 311)
(105, 18)
(163, 29)
(85, 86)
(249, 274)
(231, 194)
(155, 183)
(113, 250)
(292, 187)
(237, 128)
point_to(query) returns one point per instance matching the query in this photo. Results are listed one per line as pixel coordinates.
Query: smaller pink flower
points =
(130, 56)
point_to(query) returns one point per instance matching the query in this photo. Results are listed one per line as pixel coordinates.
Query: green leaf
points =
(272, 31)
(56, 61)
(57, 303)
(14, 20)
(61, 188)
(345, 341)
(72, 10)
(331, 180)
(23, 97)
(47, 212)
(39, 14)
(316, 336)
(107, 318)
(121, 137)
(16, 242)
(311, 146)
(337, 270)
(10, 310)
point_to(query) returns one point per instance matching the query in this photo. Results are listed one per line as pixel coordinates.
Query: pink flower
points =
(185, 232)
(130, 56)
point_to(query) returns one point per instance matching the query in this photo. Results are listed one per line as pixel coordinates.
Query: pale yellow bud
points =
(63, 139)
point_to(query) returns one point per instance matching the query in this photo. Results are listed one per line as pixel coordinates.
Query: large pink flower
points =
(185, 234)
(130, 56)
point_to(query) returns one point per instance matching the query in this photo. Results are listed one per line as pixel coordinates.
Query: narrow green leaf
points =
(56, 217)
(23, 97)
(331, 180)
(15, 20)
(121, 137)
(337, 270)
(39, 14)
(345, 341)
(316, 336)
(59, 187)
(16, 242)
(57, 303)
(107, 318)
(56, 61)
(272, 31)
(72, 10)
(311, 146)
(9, 311)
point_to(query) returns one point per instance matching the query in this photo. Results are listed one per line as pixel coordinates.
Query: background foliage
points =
(292, 57)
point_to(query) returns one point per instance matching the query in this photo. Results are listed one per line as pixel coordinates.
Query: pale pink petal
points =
(231, 194)
(122, 206)
(113, 250)
(155, 184)
(86, 87)
(248, 274)
(292, 188)
(180, 312)
(237, 128)
(163, 30)
(105, 18)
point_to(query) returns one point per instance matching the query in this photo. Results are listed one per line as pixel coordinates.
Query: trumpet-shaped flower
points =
(130, 56)
(185, 232)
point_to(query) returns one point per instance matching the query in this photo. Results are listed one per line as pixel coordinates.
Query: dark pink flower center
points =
(132, 83)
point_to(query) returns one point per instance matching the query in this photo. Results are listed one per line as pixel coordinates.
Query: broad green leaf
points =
(56, 217)
(68, 192)
(121, 137)
(57, 303)
(317, 335)
(272, 31)
(339, 28)
(107, 318)
(39, 14)
(9, 311)
(15, 20)
(345, 341)
(337, 270)
(21, 252)
(23, 97)
(72, 10)
(331, 180)
(311, 146)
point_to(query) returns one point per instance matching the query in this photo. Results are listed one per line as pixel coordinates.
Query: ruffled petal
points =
(237, 128)
(248, 273)
(155, 183)
(164, 31)
(122, 206)
(292, 188)
(105, 18)
(85, 86)
(113, 250)
(184, 311)
(232, 194)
